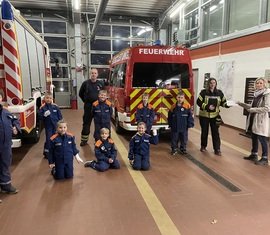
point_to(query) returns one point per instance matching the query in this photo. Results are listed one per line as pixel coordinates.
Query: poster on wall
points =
(225, 74)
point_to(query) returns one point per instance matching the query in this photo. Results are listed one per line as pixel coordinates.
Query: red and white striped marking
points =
(11, 62)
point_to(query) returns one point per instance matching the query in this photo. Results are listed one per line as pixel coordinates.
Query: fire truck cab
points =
(24, 70)
(160, 71)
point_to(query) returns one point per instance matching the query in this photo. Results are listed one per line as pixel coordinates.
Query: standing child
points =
(139, 148)
(62, 150)
(8, 125)
(180, 119)
(102, 112)
(50, 114)
(105, 153)
(145, 113)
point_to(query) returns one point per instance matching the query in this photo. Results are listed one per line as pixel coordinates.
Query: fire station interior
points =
(197, 193)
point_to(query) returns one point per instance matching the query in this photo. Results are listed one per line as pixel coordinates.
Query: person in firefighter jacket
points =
(102, 112)
(105, 153)
(50, 114)
(180, 119)
(139, 148)
(9, 125)
(210, 100)
(145, 113)
(62, 151)
(89, 94)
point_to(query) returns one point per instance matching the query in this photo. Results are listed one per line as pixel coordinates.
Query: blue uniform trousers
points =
(48, 133)
(5, 162)
(63, 170)
(103, 166)
(179, 137)
(141, 162)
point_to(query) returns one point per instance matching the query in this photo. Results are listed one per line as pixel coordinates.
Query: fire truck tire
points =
(118, 128)
(34, 135)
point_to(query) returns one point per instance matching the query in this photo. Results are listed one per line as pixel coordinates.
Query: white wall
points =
(252, 63)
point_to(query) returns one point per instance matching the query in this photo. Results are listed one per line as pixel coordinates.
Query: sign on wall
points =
(225, 74)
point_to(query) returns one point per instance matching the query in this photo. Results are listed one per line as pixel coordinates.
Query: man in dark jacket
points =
(89, 94)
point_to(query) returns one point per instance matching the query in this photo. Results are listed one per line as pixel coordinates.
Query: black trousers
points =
(205, 122)
(87, 120)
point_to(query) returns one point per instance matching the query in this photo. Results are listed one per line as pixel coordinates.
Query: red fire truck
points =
(160, 71)
(24, 70)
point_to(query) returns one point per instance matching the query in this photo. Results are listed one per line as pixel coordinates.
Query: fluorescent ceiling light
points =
(177, 10)
(77, 4)
(213, 7)
(142, 31)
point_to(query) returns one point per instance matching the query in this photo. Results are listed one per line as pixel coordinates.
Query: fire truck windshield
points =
(161, 75)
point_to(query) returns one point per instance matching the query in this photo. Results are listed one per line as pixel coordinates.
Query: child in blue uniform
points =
(8, 125)
(105, 153)
(180, 119)
(50, 114)
(102, 112)
(61, 153)
(139, 148)
(145, 113)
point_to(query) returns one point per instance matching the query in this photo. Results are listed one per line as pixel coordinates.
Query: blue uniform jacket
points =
(145, 114)
(102, 112)
(180, 118)
(62, 148)
(140, 144)
(105, 149)
(52, 119)
(7, 122)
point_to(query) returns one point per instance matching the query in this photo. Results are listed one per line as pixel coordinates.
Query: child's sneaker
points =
(183, 151)
(9, 188)
(173, 152)
(91, 164)
(53, 171)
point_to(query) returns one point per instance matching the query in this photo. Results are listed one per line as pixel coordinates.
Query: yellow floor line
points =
(226, 143)
(161, 217)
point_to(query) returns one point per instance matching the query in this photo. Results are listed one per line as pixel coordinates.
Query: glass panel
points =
(36, 24)
(54, 27)
(162, 75)
(100, 59)
(118, 44)
(141, 32)
(56, 42)
(59, 72)
(101, 45)
(121, 31)
(103, 73)
(193, 5)
(212, 20)
(59, 57)
(243, 14)
(138, 43)
(103, 30)
(119, 75)
(61, 86)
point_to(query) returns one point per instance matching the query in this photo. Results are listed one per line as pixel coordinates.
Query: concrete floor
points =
(175, 197)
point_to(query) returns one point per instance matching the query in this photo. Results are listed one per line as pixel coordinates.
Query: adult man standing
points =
(89, 93)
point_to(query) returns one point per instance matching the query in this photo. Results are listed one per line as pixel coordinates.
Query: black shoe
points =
(173, 152)
(91, 164)
(9, 189)
(262, 162)
(217, 152)
(83, 143)
(203, 149)
(183, 151)
(251, 157)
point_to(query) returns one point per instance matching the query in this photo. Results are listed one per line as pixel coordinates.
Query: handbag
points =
(219, 120)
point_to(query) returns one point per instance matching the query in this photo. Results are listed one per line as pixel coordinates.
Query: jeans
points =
(255, 144)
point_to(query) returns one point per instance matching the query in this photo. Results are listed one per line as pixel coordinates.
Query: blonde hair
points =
(104, 130)
(263, 79)
(102, 92)
(62, 121)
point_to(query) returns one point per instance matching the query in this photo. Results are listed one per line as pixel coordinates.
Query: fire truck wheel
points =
(34, 135)
(118, 128)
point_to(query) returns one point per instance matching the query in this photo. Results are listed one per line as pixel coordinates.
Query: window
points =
(56, 42)
(191, 23)
(103, 30)
(118, 44)
(36, 24)
(162, 75)
(54, 27)
(61, 86)
(243, 14)
(212, 20)
(121, 31)
(101, 45)
(100, 59)
(59, 57)
(59, 71)
(118, 76)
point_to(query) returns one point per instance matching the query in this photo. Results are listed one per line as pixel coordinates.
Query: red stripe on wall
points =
(245, 43)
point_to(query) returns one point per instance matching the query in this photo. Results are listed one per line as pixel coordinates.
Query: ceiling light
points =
(77, 4)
